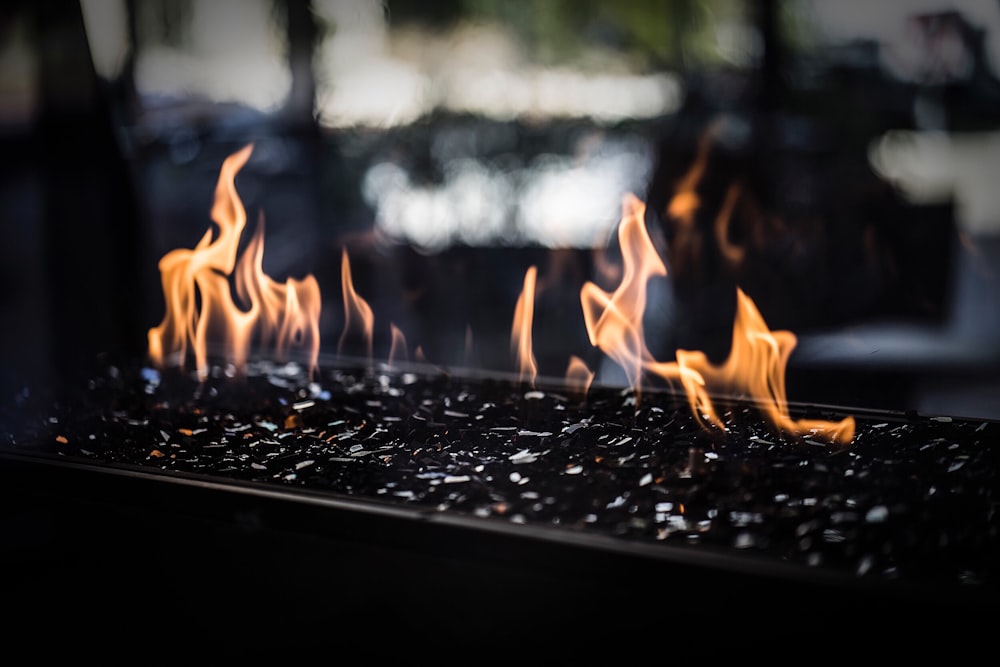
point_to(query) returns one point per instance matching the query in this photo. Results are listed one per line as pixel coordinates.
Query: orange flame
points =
(684, 205)
(287, 315)
(578, 375)
(520, 335)
(357, 313)
(685, 202)
(199, 302)
(398, 348)
(755, 368)
(757, 361)
(734, 254)
(614, 321)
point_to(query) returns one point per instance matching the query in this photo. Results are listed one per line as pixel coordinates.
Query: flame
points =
(757, 361)
(200, 307)
(685, 202)
(614, 320)
(210, 295)
(520, 335)
(357, 313)
(733, 254)
(398, 347)
(286, 315)
(756, 368)
(578, 375)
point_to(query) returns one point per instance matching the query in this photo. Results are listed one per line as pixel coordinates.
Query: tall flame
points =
(200, 308)
(614, 320)
(520, 335)
(358, 315)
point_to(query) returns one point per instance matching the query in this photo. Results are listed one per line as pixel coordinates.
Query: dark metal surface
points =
(127, 558)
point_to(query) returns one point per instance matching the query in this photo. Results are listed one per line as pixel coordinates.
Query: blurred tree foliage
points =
(650, 33)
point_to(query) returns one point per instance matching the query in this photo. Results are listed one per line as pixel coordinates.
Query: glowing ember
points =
(200, 308)
(520, 335)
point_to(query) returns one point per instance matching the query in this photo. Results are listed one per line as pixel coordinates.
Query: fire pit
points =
(527, 509)
(910, 501)
(521, 436)
(524, 500)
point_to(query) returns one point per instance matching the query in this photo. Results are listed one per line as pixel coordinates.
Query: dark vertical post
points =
(771, 76)
(89, 206)
(302, 33)
(768, 101)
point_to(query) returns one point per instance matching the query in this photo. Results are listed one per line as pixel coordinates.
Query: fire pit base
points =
(426, 514)
(101, 561)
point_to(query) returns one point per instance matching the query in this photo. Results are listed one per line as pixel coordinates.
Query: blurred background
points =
(843, 157)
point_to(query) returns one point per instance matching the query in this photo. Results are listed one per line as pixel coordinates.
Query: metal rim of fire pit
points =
(701, 557)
